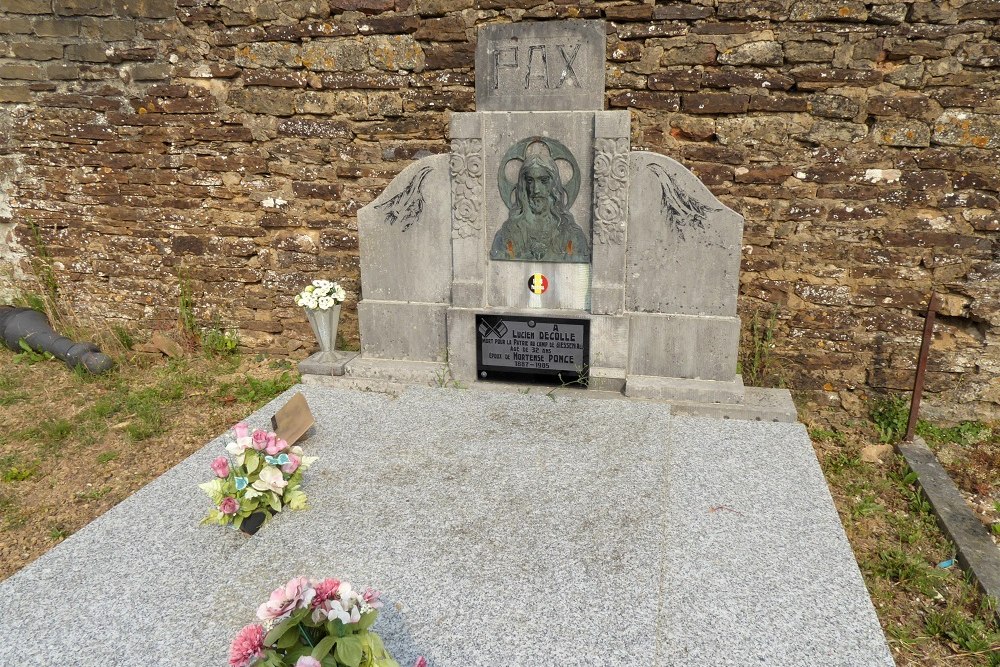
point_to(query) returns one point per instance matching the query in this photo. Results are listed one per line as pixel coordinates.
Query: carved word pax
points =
(536, 64)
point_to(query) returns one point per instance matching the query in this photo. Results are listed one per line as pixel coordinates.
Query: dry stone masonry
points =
(233, 143)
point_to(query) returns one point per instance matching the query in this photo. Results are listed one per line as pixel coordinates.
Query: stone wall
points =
(231, 142)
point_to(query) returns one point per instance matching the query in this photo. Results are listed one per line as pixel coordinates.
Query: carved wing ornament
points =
(681, 212)
(407, 206)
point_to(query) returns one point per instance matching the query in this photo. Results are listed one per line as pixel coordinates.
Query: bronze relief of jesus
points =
(539, 226)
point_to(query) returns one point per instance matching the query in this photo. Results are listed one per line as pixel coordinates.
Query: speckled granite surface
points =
(503, 529)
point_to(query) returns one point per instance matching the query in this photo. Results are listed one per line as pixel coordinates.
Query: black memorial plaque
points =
(541, 349)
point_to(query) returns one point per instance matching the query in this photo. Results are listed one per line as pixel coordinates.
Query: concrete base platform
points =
(756, 404)
(503, 529)
(427, 373)
(326, 363)
(683, 389)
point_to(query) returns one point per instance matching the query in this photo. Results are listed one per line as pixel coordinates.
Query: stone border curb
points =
(977, 554)
(760, 404)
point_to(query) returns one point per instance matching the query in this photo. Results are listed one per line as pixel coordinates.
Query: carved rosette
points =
(466, 186)
(610, 190)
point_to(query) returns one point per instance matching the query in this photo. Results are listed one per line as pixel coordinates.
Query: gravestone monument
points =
(544, 248)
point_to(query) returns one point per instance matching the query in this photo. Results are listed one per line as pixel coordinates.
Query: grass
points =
(966, 433)
(931, 615)
(123, 335)
(252, 390)
(14, 468)
(185, 307)
(74, 444)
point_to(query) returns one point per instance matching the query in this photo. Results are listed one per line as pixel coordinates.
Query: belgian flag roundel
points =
(537, 283)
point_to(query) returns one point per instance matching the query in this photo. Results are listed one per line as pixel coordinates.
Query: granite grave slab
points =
(607, 533)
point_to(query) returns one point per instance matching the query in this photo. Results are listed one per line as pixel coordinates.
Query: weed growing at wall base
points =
(890, 414)
(219, 342)
(757, 363)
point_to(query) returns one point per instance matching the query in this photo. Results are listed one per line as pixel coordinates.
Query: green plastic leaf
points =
(292, 655)
(251, 460)
(213, 489)
(295, 499)
(368, 659)
(323, 648)
(349, 651)
(278, 631)
(378, 648)
(367, 619)
(288, 640)
(274, 501)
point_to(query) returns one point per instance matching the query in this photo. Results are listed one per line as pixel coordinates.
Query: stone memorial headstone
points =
(544, 246)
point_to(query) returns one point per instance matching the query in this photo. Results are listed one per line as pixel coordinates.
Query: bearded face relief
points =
(538, 185)
(539, 225)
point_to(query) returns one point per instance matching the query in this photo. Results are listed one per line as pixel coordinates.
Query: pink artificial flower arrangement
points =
(310, 623)
(261, 474)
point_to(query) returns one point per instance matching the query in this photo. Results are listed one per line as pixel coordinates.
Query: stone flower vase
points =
(324, 325)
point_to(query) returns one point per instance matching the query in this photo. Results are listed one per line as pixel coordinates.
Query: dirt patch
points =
(974, 466)
(930, 614)
(73, 446)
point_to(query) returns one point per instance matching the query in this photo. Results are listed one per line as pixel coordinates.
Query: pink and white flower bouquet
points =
(261, 473)
(309, 623)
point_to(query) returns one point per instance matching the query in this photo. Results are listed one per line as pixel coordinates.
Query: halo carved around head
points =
(521, 150)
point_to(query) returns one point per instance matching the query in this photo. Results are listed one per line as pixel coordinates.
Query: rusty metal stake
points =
(918, 381)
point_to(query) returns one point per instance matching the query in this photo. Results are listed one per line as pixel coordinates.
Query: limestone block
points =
(507, 281)
(569, 285)
(405, 236)
(680, 389)
(462, 344)
(683, 247)
(333, 362)
(611, 174)
(403, 331)
(546, 66)
(467, 187)
(606, 379)
(961, 128)
(609, 341)
(683, 346)
(367, 374)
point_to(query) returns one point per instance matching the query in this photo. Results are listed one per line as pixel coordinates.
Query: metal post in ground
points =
(918, 381)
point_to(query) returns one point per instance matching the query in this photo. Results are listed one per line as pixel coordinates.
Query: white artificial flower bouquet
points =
(321, 295)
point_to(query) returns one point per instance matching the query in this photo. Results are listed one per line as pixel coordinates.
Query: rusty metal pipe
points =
(918, 381)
